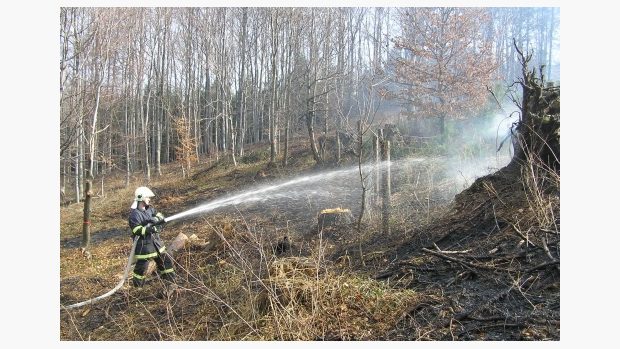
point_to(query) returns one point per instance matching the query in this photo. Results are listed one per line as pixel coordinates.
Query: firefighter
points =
(145, 223)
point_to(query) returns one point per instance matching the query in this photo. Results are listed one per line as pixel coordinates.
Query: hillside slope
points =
(484, 266)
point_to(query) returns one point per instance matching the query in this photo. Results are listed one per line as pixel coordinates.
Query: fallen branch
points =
(462, 262)
(490, 318)
(541, 266)
(449, 252)
(549, 231)
(527, 239)
(491, 326)
(499, 257)
(465, 314)
(459, 276)
(546, 248)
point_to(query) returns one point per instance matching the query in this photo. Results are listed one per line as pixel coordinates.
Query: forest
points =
(327, 173)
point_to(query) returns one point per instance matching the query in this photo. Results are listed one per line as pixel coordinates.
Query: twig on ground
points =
(449, 252)
(542, 265)
(465, 314)
(546, 248)
(523, 236)
(464, 263)
(491, 326)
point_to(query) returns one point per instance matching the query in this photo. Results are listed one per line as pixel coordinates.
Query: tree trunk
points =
(273, 120)
(377, 169)
(313, 147)
(286, 138)
(385, 155)
(233, 135)
(92, 143)
(127, 155)
(550, 42)
(78, 168)
(63, 182)
(442, 128)
(88, 194)
(360, 151)
(145, 133)
(241, 101)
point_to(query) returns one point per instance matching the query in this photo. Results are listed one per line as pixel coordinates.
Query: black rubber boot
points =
(170, 277)
(138, 282)
(170, 282)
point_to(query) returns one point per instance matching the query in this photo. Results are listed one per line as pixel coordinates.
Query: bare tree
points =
(241, 105)
(273, 114)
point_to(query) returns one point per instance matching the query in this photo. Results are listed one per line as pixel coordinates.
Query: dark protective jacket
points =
(149, 243)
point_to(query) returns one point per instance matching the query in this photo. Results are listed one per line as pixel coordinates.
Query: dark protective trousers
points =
(164, 267)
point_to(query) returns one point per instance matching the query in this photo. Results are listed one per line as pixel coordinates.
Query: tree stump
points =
(283, 246)
(334, 217)
(538, 130)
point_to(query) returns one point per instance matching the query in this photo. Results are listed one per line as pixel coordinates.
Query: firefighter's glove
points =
(157, 219)
(151, 228)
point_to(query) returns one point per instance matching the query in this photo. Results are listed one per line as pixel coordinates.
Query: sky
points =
(30, 141)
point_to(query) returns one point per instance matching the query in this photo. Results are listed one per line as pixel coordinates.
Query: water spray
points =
(271, 191)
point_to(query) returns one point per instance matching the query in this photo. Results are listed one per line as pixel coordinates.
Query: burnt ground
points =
(490, 267)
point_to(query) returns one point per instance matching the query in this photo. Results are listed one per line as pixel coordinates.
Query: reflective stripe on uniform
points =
(146, 256)
(135, 230)
(162, 250)
(166, 271)
(138, 276)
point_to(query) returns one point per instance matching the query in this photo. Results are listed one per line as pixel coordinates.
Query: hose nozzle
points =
(159, 222)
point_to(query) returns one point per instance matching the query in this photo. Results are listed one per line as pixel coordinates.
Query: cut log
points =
(178, 243)
(194, 240)
(334, 217)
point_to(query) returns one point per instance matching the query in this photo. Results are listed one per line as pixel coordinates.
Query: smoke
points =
(500, 126)
(483, 147)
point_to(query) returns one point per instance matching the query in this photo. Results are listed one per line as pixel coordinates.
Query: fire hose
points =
(120, 283)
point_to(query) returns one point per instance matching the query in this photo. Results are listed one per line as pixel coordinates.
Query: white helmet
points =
(140, 194)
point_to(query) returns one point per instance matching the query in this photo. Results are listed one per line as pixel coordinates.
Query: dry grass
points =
(303, 298)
